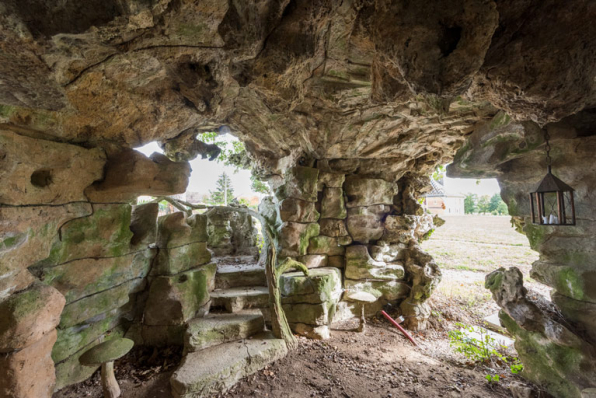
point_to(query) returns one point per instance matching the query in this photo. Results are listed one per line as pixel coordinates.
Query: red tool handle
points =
(399, 327)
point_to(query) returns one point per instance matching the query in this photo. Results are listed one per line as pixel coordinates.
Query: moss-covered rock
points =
(310, 314)
(143, 224)
(389, 290)
(333, 227)
(296, 210)
(359, 265)
(369, 191)
(179, 259)
(330, 180)
(299, 183)
(321, 285)
(176, 229)
(333, 204)
(366, 223)
(294, 238)
(29, 315)
(313, 260)
(107, 351)
(173, 300)
(325, 245)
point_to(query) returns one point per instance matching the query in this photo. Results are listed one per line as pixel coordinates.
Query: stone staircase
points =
(221, 348)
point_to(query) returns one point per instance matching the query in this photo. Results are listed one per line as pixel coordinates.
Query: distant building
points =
(439, 201)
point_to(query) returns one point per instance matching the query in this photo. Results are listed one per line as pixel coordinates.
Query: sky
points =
(205, 173)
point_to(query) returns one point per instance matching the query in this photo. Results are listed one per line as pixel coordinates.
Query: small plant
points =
(516, 367)
(475, 349)
(492, 379)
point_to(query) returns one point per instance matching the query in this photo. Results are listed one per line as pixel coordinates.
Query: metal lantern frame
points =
(551, 185)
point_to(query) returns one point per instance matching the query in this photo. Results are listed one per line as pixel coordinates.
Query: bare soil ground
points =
(379, 362)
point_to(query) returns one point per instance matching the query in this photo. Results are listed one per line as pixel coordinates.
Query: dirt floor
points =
(380, 362)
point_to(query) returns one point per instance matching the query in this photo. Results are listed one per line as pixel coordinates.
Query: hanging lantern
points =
(552, 202)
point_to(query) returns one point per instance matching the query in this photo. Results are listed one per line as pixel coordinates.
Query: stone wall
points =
(555, 341)
(330, 217)
(231, 233)
(74, 254)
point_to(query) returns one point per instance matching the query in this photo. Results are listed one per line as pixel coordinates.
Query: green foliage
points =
(224, 192)
(439, 173)
(259, 186)
(470, 203)
(516, 367)
(484, 204)
(492, 379)
(481, 349)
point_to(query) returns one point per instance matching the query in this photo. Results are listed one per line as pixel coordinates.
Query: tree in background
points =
(484, 204)
(497, 206)
(470, 203)
(224, 192)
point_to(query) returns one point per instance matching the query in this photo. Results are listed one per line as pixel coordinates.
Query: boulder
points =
(333, 227)
(366, 223)
(388, 290)
(28, 316)
(173, 300)
(369, 191)
(36, 171)
(294, 238)
(105, 233)
(330, 180)
(181, 258)
(332, 204)
(359, 265)
(296, 210)
(29, 372)
(321, 285)
(176, 229)
(325, 245)
(129, 174)
(299, 183)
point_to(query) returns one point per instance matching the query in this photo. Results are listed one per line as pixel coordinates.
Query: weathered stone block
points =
(297, 210)
(105, 233)
(333, 227)
(143, 224)
(294, 238)
(91, 306)
(366, 223)
(336, 261)
(325, 245)
(402, 229)
(332, 204)
(384, 251)
(30, 371)
(581, 314)
(173, 300)
(359, 265)
(26, 234)
(268, 209)
(313, 260)
(369, 191)
(81, 278)
(299, 183)
(35, 171)
(28, 316)
(311, 332)
(310, 314)
(129, 174)
(177, 229)
(330, 180)
(388, 290)
(182, 258)
(573, 282)
(321, 285)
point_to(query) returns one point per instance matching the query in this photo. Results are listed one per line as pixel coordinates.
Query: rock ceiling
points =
(395, 84)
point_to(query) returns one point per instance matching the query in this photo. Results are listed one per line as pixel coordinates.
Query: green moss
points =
(499, 120)
(338, 74)
(311, 231)
(7, 110)
(191, 30)
(536, 235)
(569, 283)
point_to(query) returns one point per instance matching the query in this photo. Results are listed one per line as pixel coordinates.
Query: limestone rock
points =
(416, 314)
(332, 227)
(181, 258)
(143, 224)
(365, 223)
(26, 234)
(176, 229)
(388, 290)
(221, 328)
(332, 204)
(173, 300)
(402, 229)
(311, 314)
(313, 260)
(325, 245)
(129, 174)
(359, 265)
(295, 238)
(105, 233)
(336, 261)
(37, 171)
(368, 192)
(30, 371)
(299, 183)
(77, 279)
(384, 251)
(268, 209)
(311, 332)
(321, 285)
(28, 316)
(296, 210)
(330, 180)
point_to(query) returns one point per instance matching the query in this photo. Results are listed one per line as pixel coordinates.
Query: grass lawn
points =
(469, 247)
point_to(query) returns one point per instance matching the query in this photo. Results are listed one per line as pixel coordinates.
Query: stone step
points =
(211, 371)
(236, 299)
(233, 275)
(217, 329)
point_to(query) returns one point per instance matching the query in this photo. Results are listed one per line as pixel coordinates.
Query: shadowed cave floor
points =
(378, 363)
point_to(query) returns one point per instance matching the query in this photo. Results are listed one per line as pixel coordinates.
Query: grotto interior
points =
(345, 108)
